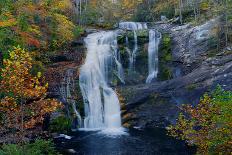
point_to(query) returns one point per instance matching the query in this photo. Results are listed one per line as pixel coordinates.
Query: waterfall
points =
(117, 58)
(153, 47)
(102, 107)
(132, 26)
(66, 90)
(132, 55)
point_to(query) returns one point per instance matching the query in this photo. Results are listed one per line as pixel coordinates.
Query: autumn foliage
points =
(208, 125)
(36, 25)
(24, 103)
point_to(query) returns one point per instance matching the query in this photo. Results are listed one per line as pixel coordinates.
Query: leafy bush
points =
(60, 124)
(208, 125)
(39, 147)
(78, 31)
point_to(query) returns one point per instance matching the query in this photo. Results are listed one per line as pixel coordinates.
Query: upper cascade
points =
(133, 26)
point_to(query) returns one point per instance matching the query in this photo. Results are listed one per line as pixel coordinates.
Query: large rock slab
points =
(158, 104)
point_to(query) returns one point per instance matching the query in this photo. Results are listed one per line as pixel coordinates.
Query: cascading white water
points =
(117, 58)
(132, 26)
(132, 55)
(154, 40)
(102, 107)
(66, 89)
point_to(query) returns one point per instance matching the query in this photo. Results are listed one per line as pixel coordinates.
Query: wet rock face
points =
(192, 44)
(126, 48)
(169, 95)
(197, 71)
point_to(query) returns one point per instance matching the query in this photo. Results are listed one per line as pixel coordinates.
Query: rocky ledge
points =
(158, 104)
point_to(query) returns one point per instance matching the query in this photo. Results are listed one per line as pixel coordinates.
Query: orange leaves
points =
(38, 24)
(196, 124)
(8, 103)
(29, 92)
(29, 39)
(16, 76)
(38, 109)
(208, 124)
(8, 21)
(34, 42)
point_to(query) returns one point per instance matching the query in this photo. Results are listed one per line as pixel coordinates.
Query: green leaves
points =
(208, 125)
(39, 147)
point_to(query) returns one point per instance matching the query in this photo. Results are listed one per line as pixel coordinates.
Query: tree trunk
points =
(180, 11)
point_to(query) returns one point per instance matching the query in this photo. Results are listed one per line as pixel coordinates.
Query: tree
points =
(24, 103)
(208, 125)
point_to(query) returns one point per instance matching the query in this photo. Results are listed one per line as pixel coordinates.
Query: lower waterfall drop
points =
(102, 107)
(153, 47)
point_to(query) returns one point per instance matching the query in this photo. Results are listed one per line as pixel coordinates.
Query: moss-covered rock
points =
(165, 58)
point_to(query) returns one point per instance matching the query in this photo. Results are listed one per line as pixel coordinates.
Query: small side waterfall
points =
(67, 89)
(102, 107)
(153, 47)
(132, 26)
(117, 58)
(132, 54)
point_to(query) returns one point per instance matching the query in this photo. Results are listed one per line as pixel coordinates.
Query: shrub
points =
(39, 147)
(60, 124)
(208, 125)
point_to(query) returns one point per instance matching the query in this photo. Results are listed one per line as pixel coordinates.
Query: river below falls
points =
(134, 142)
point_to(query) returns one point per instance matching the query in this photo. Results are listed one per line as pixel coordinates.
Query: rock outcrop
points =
(158, 104)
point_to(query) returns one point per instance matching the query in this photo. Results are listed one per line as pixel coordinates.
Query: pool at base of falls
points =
(137, 141)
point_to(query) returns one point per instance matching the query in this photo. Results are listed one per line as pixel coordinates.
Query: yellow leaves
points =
(12, 54)
(64, 28)
(8, 21)
(161, 5)
(46, 85)
(63, 5)
(204, 6)
(17, 80)
(34, 29)
(39, 74)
